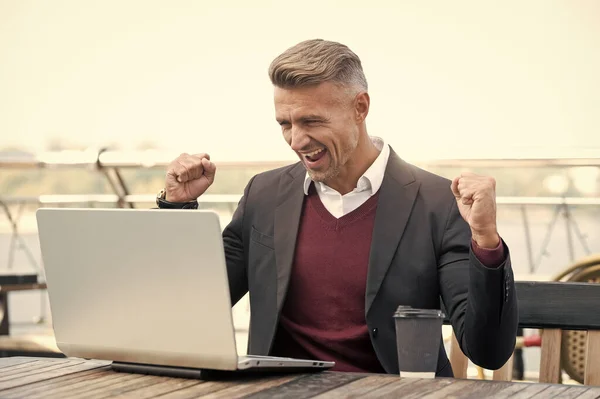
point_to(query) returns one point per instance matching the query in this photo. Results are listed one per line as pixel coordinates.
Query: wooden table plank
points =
(307, 386)
(485, 389)
(17, 366)
(244, 389)
(511, 390)
(83, 378)
(573, 392)
(230, 388)
(529, 391)
(358, 387)
(32, 368)
(550, 392)
(105, 379)
(386, 389)
(417, 389)
(152, 391)
(13, 361)
(28, 379)
(198, 390)
(449, 390)
(122, 386)
(592, 393)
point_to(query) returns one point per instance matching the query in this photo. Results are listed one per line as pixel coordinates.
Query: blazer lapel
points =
(396, 198)
(290, 197)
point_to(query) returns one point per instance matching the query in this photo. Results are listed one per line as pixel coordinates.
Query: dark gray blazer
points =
(420, 253)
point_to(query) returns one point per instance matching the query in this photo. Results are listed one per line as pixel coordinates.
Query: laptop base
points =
(205, 374)
(166, 371)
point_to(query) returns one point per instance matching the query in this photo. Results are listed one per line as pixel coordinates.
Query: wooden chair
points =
(573, 346)
(552, 307)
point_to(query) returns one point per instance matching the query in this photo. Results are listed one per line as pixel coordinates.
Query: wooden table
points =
(28, 377)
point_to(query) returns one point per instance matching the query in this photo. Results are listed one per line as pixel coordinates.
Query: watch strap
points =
(162, 203)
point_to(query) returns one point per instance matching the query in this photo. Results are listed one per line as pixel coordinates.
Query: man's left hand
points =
(476, 199)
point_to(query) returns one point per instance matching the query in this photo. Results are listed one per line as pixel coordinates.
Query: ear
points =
(362, 101)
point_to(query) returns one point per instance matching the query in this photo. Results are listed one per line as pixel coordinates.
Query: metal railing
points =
(110, 164)
(160, 159)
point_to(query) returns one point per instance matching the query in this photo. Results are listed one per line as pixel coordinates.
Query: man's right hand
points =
(188, 177)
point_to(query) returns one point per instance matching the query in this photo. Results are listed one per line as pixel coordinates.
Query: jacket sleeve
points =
(235, 252)
(480, 301)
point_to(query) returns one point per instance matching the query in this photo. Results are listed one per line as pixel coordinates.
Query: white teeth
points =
(315, 152)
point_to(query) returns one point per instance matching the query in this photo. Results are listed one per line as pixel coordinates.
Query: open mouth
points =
(316, 154)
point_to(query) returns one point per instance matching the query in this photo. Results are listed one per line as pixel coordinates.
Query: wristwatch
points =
(162, 203)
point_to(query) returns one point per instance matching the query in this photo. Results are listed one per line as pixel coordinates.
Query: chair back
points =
(552, 307)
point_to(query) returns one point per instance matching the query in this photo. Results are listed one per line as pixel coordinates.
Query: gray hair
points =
(316, 61)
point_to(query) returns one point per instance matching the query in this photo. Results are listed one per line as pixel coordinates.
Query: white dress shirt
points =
(368, 184)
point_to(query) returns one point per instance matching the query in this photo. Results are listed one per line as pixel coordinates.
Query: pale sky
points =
(464, 78)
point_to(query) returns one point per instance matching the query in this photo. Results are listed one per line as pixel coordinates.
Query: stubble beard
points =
(328, 174)
(334, 170)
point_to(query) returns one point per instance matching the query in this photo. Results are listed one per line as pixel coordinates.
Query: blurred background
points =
(97, 97)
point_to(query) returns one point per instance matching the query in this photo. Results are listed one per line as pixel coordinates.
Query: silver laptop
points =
(146, 289)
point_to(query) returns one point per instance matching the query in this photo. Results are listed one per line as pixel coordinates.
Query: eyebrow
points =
(305, 119)
(312, 117)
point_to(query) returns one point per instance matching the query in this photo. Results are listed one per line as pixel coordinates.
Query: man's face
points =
(320, 125)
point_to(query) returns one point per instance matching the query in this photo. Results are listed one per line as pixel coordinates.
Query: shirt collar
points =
(370, 180)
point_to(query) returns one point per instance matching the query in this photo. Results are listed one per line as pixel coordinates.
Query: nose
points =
(299, 139)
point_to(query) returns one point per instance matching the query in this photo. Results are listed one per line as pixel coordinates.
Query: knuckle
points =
(181, 167)
(184, 163)
(176, 169)
(489, 182)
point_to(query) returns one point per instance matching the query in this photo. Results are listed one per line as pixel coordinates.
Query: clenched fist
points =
(188, 177)
(476, 199)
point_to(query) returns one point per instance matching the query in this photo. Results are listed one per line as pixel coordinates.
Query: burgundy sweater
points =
(323, 316)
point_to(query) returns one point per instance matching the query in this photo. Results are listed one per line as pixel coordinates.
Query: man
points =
(329, 247)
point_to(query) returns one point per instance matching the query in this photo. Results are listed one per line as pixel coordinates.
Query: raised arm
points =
(476, 278)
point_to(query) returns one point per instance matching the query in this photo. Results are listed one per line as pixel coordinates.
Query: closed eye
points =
(307, 120)
(313, 121)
